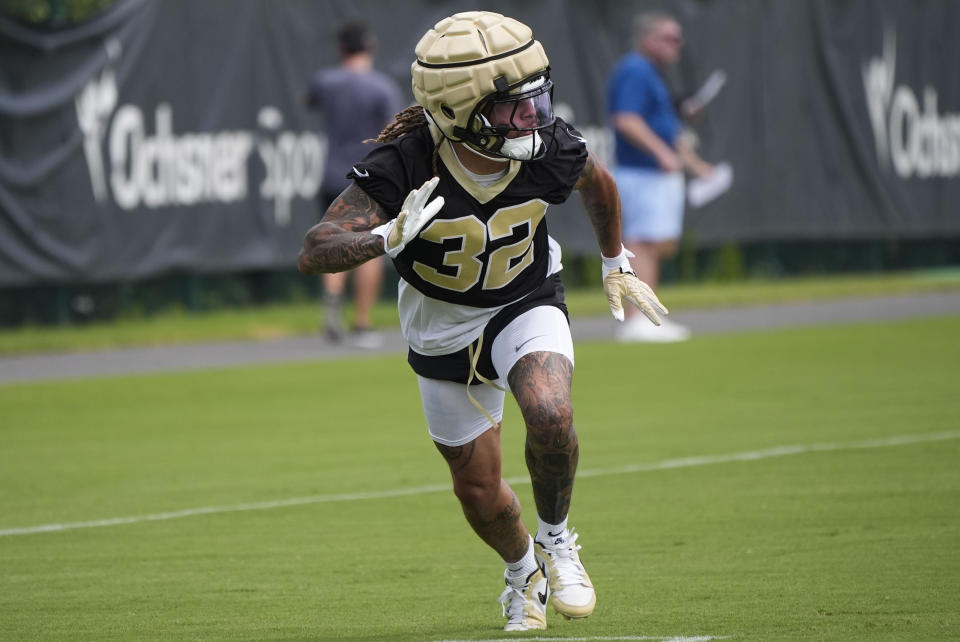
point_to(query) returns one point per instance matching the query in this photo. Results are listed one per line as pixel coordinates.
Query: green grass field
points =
(329, 516)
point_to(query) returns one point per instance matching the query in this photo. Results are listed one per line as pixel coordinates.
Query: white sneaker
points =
(366, 339)
(640, 329)
(524, 602)
(571, 592)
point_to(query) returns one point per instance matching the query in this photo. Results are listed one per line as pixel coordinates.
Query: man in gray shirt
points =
(356, 101)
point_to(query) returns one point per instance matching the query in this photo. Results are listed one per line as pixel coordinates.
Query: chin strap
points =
(474, 356)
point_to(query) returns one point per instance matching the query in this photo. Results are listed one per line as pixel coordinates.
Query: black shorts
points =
(456, 365)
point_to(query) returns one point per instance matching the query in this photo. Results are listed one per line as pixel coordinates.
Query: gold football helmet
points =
(485, 81)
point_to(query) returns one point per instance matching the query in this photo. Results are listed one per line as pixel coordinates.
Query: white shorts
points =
(452, 420)
(651, 203)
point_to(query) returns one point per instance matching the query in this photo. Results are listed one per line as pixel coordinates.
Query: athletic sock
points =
(548, 533)
(331, 311)
(332, 300)
(525, 565)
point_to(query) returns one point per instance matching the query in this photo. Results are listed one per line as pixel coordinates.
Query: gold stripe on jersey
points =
(483, 194)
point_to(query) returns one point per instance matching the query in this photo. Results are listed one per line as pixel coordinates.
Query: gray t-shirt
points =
(356, 106)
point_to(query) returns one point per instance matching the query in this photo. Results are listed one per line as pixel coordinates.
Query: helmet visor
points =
(523, 110)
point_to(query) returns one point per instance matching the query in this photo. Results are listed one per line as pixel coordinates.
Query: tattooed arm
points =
(342, 239)
(602, 202)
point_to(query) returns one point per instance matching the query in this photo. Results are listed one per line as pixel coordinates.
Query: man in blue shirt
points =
(649, 161)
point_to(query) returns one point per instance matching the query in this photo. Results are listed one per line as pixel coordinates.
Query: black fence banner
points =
(171, 135)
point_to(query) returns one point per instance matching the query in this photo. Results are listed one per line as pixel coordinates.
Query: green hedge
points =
(53, 14)
(79, 303)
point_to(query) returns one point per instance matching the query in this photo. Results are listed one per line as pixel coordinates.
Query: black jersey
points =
(488, 245)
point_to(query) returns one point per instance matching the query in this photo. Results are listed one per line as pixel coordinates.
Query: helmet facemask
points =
(508, 123)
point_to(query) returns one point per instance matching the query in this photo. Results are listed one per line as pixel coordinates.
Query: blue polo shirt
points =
(636, 86)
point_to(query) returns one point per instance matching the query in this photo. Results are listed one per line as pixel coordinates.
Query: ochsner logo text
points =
(918, 141)
(162, 168)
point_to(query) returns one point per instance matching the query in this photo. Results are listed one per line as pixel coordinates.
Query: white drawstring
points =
(474, 356)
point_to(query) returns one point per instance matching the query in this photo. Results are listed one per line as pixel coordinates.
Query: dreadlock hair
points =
(409, 119)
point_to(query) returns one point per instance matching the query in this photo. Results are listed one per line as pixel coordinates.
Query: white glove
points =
(620, 282)
(413, 215)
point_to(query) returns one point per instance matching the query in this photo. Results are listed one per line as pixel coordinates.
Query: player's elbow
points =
(303, 266)
(307, 259)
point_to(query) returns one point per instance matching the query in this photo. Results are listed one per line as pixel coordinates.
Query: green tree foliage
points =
(53, 14)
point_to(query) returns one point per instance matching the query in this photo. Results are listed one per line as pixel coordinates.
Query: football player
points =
(457, 195)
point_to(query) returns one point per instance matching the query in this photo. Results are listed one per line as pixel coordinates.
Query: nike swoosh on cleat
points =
(542, 597)
(554, 534)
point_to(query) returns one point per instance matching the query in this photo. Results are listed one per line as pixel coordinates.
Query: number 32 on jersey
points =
(503, 264)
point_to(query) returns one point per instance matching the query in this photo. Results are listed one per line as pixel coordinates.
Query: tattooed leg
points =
(540, 382)
(488, 502)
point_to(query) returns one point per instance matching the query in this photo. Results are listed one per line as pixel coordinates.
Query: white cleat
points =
(524, 602)
(571, 592)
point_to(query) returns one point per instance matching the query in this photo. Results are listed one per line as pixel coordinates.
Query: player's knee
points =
(477, 492)
(551, 428)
